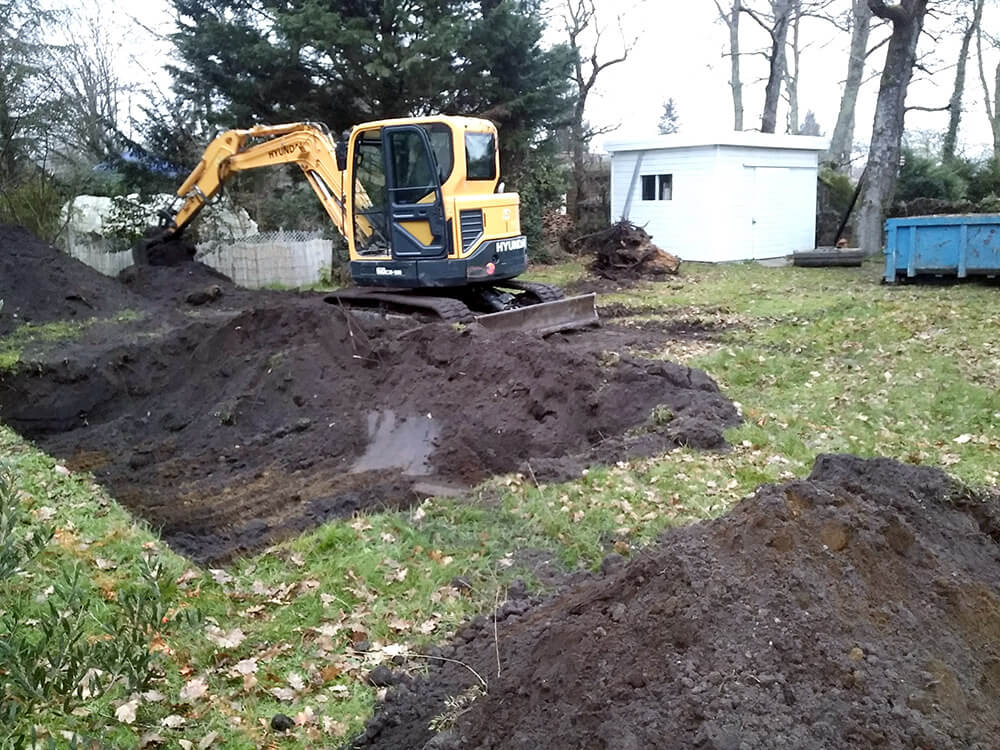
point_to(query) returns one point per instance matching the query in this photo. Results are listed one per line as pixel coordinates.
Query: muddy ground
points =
(856, 608)
(230, 419)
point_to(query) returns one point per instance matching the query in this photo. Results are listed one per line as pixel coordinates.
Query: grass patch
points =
(12, 346)
(822, 360)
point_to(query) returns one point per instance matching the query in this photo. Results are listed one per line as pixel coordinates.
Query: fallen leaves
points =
(284, 694)
(223, 639)
(220, 576)
(125, 713)
(194, 690)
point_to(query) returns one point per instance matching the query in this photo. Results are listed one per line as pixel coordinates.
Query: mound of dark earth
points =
(625, 252)
(858, 608)
(230, 419)
(40, 284)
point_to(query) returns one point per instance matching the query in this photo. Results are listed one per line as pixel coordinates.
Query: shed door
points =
(782, 210)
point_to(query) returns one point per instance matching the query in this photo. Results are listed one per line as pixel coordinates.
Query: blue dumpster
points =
(957, 245)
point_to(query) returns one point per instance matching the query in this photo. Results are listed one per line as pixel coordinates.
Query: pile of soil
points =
(188, 283)
(40, 284)
(156, 250)
(856, 608)
(230, 419)
(625, 251)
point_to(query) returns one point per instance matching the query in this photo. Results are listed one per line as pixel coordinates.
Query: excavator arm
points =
(307, 144)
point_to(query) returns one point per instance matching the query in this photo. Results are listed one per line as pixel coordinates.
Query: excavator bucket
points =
(547, 317)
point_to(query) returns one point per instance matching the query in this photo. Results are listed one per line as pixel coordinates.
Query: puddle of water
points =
(395, 442)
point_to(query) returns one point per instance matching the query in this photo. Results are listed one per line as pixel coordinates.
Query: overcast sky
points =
(679, 53)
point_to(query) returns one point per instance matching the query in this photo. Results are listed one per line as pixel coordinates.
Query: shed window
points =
(657, 187)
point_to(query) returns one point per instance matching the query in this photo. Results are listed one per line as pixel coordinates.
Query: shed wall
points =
(682, 225)
(729, 203)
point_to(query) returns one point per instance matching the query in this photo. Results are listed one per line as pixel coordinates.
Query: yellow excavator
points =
(417, 200)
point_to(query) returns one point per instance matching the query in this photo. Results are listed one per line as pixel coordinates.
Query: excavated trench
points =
(230, 419)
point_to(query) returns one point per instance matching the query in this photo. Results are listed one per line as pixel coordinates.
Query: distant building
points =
(738, 196)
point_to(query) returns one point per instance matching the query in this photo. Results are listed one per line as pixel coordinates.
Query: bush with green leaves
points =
(59, 650)
(35, 202)
(925, 176)
(541, 183)
(128, 219)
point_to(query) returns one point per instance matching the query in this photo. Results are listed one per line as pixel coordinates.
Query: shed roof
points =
(745, 139)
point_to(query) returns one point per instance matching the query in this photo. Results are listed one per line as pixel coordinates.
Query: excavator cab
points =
(397, 194)
(424, 208)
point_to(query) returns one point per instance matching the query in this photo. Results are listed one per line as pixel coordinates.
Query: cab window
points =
(440, 138)
(412, 169)
(480, 156)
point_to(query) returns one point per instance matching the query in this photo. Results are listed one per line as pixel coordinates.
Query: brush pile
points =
(626, 251)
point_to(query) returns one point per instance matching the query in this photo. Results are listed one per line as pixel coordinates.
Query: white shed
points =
(738, 196)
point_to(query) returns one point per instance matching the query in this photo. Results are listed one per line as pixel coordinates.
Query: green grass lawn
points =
(819, 360)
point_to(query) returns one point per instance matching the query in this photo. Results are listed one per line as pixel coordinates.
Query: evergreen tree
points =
(670, 121)
(343, 62)
(809, 124)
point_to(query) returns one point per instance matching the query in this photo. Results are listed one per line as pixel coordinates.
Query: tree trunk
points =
(575, 190)
(883, 156)
(955, 106)
(735, 83)
(792, 72)
(842, 140)
(772, 92)
(991, 100)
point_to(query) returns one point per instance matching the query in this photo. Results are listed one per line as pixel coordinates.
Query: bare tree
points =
(82, 76)
(992, 99)
(800, 10)
(882, 171)
(842, 140)
(776, 25)
(580, 18)
(732, 21)
(955, 106)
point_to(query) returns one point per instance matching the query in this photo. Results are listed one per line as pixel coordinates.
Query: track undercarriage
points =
(506, 305)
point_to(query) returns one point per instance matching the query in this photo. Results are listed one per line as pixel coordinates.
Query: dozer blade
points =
(546, 317)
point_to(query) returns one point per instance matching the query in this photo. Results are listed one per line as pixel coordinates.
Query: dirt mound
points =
(857, 608)
(238, 426)
(625, 251)
(185, 283)
(154, 250)
(39, 283)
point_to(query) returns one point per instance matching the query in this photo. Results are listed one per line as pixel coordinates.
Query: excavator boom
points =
(306, 144)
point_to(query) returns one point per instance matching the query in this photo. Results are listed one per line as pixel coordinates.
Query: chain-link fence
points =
(283, 258)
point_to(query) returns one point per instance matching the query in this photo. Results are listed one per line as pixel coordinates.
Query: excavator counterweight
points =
(417, 201)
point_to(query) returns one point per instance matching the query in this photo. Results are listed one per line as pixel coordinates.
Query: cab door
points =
(416, 209)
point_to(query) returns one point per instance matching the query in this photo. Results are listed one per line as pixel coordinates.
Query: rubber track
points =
(544, 292)
(446, 308)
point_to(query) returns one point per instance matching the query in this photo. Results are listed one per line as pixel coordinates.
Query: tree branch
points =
(870, 52)
(894, 13)
(945, 108)
(750, 12)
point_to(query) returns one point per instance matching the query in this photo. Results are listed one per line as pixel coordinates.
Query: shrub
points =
(57, 652)
(35, 202)
(923, 176)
